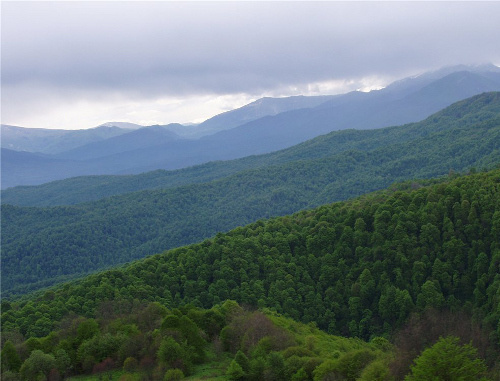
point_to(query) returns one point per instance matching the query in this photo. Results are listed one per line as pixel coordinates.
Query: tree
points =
(63, 361)
(38, 363)
(86, 330)
(130, 364)
(430, 296)
(10, 357)
(173, 375)
(300, 375)
(235, 371)
(242, 359)
(448, 360)
(170, 351)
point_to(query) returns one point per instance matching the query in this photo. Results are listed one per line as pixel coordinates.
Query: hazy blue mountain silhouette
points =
(405, 101)
(52, 141)
(137, 139)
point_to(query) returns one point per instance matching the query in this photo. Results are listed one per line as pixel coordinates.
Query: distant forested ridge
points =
(466, 114)
(41, 246)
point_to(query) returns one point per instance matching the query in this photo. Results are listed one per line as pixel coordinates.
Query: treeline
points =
(41, 246)
(356, 268)
(133, 340)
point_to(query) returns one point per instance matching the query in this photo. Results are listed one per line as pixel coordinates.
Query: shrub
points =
(130, 364)
(173, 375)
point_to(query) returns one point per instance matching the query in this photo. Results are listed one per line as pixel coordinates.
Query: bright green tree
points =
(235, 371)
(242, 359)
(173, 375)
(448, 360)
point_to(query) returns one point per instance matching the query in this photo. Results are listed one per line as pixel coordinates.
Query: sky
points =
(76, 65)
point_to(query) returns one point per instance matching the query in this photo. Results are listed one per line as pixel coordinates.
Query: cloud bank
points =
(78, 64)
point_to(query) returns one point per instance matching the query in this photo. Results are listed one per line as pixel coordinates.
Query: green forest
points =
(409, 276)
(42, 246)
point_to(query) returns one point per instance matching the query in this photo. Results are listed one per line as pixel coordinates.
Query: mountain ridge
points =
(270, 133)
(121, 228)
(323, 146)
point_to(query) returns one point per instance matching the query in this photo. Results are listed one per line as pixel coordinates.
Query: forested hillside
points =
(358, 268)
(226, 342)
(43, 245)
(464, 114)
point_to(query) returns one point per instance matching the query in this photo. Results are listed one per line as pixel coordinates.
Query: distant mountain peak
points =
(127, 125)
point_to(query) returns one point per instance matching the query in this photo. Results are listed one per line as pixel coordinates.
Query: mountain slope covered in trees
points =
(82, 189)
(357, 268)
(43, 245)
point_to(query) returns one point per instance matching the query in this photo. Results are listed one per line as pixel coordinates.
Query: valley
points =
(314, 261)
(250, 191)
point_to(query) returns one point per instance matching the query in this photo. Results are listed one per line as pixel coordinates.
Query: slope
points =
(356, 268)
(17, 166)
(260, 108)
(82, 189)
(40, 245)
(271, 133)
(188, 341)
(140, 138)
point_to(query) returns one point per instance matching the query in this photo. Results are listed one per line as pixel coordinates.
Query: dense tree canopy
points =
(43, 246)
(359, 268)
(356, 268)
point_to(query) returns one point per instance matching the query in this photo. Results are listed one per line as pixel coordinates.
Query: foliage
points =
(393, 260)
(130, 364)
(376, 371)
(166, 352)
(44, 246)
(38, 363)
(424, 329)
(235, 371)
(348, 367)
(357, 268)
(173, 375)
(10, 357)
(448, 360)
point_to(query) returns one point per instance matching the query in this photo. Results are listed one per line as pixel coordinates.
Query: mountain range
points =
(43, 245)
(263, 126)
(252, 268)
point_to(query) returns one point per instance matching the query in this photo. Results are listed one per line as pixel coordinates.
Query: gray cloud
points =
(149, 50)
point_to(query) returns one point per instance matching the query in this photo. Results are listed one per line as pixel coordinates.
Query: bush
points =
(173, 375)
(376, 371)
(130, 364)
(37, 364)
(235, 371)
(348, 367)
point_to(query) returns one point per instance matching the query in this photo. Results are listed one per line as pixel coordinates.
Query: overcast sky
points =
(79, 64)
